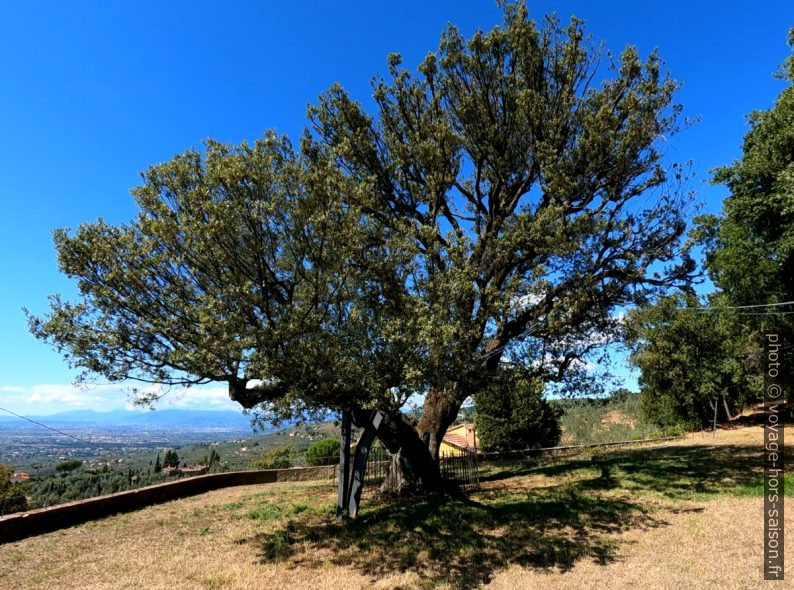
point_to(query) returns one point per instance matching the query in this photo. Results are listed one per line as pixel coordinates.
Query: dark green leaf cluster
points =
(171, 458)
(323, 452)
(691, 360)
(277, 458)
(69, 465)
(12, 494)
(512, 414)
(211, 460)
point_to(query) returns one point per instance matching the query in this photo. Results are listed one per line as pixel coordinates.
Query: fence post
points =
(344, 467)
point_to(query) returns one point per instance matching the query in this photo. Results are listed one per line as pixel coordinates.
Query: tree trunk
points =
(414, 467)
(727, 410)
(402, 478)
(344, 468)
(359, 467)
(413, 470)
(440, 410)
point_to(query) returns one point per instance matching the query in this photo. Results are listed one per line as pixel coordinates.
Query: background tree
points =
(621, 395)
(12, 494)
(752, 260)
(211, 460)
(512, 414)
(492, 204)
(323, 452)
(171, 459)
(690, 360)
(68, 465)
(157, 466)
(277, 458)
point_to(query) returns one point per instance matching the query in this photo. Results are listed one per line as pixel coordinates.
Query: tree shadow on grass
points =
(463, 542)
(460, 541)
(678, 472)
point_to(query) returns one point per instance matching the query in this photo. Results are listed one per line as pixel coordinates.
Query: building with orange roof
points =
(459, 439)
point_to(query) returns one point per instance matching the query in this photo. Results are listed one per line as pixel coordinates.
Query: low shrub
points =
(277, 458)
(323, 452)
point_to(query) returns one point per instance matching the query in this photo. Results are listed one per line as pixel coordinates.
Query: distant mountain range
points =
(166, 419)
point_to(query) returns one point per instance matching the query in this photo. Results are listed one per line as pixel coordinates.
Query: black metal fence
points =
(378, 462)
(463, 468)
(460, 469)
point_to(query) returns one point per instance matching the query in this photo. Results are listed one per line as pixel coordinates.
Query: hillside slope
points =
(684, 514)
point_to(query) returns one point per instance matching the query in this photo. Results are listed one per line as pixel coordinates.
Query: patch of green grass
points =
(756, 488)
(266, 494)
(233, 506)
(205, 511)
(204, 531)
(218, 581)
(16, 557)
(294, 490)
(289, 506)
(266, 513)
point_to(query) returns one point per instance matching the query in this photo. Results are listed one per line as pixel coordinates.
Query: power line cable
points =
(55, 429)
(755, 354)
(769, 313)
(727, 307)
(499, 349)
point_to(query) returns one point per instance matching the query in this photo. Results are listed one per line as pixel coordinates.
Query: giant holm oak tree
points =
(500, 203)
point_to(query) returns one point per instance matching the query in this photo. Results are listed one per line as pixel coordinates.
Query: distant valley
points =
(109, 436)
(166, 419)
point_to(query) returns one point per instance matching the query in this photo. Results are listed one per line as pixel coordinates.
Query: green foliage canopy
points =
(512, 414)
(69, 465)
(690, 360)
(210, 460)
(12, 494)
(277, 458)
(239, 266)
(511, 181)
(171, 458)
(323, 452)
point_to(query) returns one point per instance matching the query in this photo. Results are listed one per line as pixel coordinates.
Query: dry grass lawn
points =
(686, 514)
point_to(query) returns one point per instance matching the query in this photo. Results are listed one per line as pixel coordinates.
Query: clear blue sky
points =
(93, 92)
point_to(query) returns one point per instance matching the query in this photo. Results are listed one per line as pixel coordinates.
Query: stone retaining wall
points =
(33, 522)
